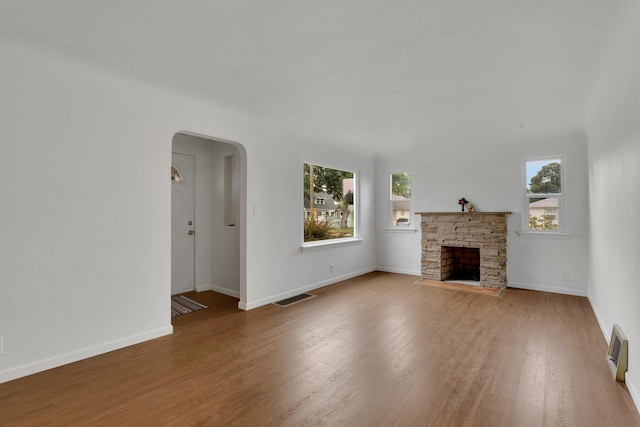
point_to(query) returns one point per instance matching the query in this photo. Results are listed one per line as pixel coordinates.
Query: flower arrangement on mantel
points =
(462, 202)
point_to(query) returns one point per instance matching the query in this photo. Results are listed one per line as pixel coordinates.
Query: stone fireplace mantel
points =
(486, 231)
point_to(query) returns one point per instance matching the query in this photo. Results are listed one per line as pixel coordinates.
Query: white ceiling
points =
(374, 73)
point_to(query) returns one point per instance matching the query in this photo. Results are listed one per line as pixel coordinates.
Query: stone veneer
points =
(486, 231)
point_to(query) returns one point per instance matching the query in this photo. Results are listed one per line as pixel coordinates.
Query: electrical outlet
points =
(565, 276)
(1, 345)
(331, 268)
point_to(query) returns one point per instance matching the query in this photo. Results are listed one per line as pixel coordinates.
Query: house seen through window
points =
(400, 199)
(329, 203)
(544, 194)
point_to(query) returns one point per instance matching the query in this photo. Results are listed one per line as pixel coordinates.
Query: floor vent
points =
(293, 300)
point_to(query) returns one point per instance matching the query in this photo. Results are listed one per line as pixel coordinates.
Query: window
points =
(544, 194)
(333, 212)
(400, 199)
(230, 190)
(176, 176)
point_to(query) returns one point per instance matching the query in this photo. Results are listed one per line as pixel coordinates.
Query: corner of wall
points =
(225, 291)
(399, 271)
(579, 292)
(273, 298)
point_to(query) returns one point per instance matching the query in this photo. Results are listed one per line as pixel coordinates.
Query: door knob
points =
(191, 232)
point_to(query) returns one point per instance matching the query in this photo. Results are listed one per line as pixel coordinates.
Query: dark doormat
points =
(293, 300)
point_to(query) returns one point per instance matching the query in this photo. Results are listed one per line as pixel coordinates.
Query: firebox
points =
(460, 263)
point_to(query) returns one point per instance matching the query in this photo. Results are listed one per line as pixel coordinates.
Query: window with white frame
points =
(330, 203)
(400, 199)
(544, 194)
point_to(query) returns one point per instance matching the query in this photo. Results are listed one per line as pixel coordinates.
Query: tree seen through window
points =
(544, 193)
(332, 213)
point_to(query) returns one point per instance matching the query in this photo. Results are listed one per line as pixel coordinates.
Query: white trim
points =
(633, 391)
(547, 234)
(546, 288)
(225, 291)
(329, 243)
(400, 271)
(407, 230)
(184, 291)
(329, 164)
(85, 353)
(291, 293)
(603, 327)
(219, 289)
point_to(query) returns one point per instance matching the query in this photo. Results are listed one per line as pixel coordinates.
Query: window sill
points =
(326, 244)
(543, 234)
(406, 230)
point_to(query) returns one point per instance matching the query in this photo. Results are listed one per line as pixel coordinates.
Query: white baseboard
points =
(603, 327)
(633, 391)
(225, 291)
(273, 298)
(182, 291)
(218, 289)
(546, 288)
(74, 356)
(399, 271)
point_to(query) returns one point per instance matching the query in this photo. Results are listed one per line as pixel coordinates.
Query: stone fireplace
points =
(461, 245)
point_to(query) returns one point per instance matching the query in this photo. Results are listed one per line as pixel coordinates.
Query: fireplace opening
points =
(460, 263)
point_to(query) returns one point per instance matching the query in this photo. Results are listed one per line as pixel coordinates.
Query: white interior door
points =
(182, 224)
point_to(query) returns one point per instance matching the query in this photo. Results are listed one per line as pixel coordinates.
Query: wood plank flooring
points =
(376, 350)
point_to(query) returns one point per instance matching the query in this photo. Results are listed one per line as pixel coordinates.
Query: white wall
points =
(279, 215)
(614, 178)
(85, 216)
(217, 246)
(490, 175)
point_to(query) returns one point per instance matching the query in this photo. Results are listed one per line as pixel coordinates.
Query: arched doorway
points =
(215, 226)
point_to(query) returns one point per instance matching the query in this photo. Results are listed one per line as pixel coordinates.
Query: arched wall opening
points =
(218, 225)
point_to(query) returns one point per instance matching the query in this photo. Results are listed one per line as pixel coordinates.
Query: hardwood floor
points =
(376, 350)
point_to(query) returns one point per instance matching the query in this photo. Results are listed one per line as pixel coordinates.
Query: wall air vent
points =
(618, 353)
